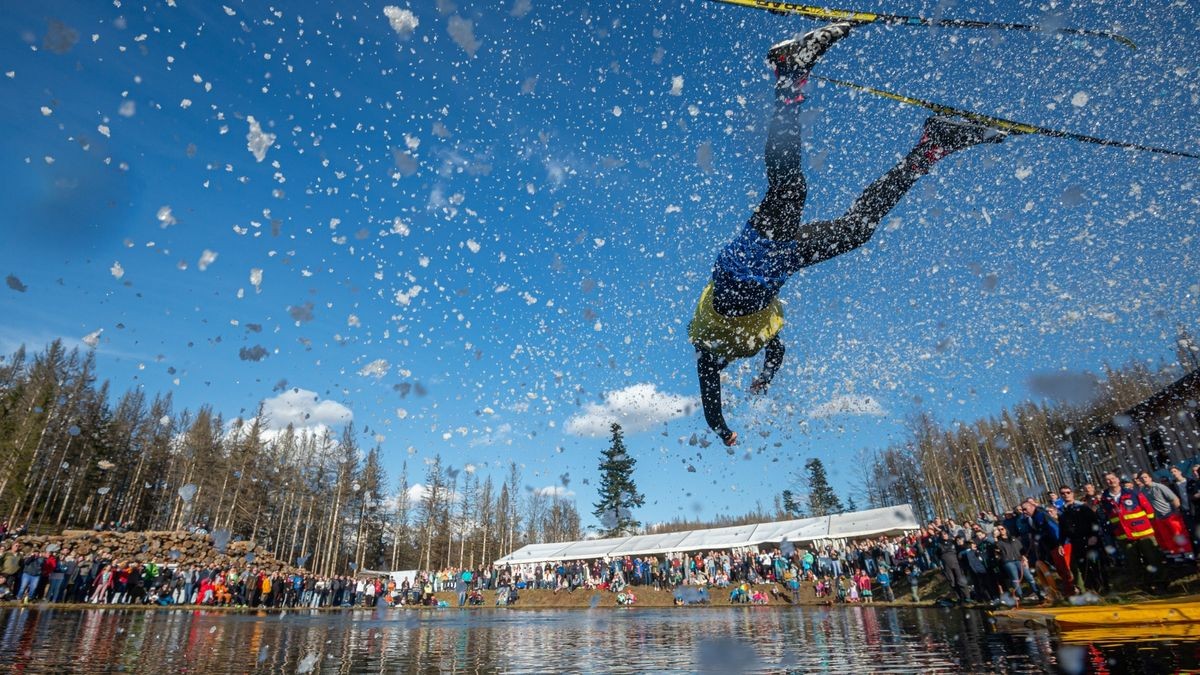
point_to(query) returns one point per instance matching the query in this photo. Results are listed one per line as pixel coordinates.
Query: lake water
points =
(719, 639)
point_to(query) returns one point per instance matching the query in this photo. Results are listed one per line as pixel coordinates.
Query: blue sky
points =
(479, 228)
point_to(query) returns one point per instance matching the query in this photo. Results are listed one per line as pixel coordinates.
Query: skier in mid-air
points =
(739, 313)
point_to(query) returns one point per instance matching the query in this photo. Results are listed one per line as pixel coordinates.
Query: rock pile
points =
(163, 548)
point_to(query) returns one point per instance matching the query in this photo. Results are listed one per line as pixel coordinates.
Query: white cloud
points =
(269, 433)
(417, 493)
(849, 404)
(554, 491)
(636, 408)
(392, 501)
(500, 435)
(303, 408)
(403, 21)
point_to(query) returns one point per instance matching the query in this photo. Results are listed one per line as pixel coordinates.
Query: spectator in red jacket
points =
(1131, 522)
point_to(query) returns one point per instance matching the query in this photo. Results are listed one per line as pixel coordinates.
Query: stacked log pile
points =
(162, 548)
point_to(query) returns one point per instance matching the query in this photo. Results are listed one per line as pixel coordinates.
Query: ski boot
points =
(794, 58)
(944, 134)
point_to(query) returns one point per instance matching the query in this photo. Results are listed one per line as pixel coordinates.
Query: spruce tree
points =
(618, 493)
(822, 500)
(790, 506)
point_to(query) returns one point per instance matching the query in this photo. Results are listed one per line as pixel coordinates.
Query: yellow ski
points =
(830, 14)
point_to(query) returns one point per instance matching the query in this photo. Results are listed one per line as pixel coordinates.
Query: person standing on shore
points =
(31, 576)
(1179, 485)
(947, 554)
(104, 582)
(1016, 565)
(1130, 520)
(461, 584)
(10, 567)
(1079, 543)
(1170, 529)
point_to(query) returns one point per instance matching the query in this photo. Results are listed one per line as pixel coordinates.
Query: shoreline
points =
(580, 599)
(528, 599)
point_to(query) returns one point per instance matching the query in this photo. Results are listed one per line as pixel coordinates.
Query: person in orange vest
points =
(1131, 522)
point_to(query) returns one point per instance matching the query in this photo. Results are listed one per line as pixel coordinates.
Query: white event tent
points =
(872, 522)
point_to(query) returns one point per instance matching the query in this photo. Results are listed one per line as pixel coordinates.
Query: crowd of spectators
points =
(1121, 535)
(1069, 543)
(49, 575)
(1074, 542)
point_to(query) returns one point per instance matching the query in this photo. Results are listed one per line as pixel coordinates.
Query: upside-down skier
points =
(739, 313)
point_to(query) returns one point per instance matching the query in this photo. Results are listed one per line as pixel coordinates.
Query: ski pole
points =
(999, 122)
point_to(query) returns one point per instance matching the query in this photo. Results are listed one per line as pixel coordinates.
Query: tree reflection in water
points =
(764, 639)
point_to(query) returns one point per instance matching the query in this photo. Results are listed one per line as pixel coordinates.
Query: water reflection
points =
(837, 640)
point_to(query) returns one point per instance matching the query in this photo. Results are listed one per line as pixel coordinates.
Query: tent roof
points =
(589, 548)
(650, 543)
(872, 522)
(534, 553)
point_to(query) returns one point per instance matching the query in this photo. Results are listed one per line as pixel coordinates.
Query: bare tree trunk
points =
(180, 503)
(66, 500)
(277, 540)
(462, 548)
(359, 546)
(55, 470)
(216, 514)
(307, 525)
(486, 535)
(131, 509)
(33, 459)
(332, 540)
(395, 548)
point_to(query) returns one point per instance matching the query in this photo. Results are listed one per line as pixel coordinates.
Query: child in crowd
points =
(884, 579)
(864, 587)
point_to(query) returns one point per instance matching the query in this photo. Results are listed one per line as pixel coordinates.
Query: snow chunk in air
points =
(207, 258)
(848, 404)
(462, 31)
(258, 141)
(92, 339)
(165, 217)
(403, 21)
(377, 368)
